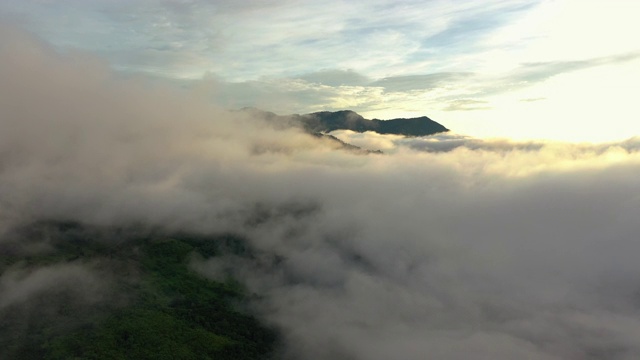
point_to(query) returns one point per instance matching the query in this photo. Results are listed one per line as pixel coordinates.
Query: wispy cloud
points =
(382, 58)
(422, 82)
(449, 91)
(253, 39)
(540, 71)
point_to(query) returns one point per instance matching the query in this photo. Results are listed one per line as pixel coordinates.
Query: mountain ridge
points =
(328, 121)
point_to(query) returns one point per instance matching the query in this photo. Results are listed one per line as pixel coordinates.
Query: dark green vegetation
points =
(344, 145)
(144, 303)
(327, 121)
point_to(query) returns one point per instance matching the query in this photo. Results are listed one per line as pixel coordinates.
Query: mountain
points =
(345, 146)
(92, 292)
(327, 121)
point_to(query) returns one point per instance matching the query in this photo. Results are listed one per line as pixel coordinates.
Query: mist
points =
(443, 247)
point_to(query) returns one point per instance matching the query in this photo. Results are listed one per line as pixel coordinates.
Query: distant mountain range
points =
(327, 121)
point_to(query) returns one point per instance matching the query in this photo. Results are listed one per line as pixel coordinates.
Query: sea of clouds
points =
(443, 247)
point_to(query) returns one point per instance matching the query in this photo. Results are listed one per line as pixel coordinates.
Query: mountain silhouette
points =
(327, 121)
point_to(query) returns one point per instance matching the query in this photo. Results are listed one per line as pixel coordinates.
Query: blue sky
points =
(491, 68)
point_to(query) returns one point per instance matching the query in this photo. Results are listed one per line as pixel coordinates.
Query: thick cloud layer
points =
(483, 249)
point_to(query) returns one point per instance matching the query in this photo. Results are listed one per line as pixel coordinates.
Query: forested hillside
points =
(99, 293)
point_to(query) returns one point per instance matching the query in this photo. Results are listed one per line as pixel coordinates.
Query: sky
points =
(441, 247)
(527, 69)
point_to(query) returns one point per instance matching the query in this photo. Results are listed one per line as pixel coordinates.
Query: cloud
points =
(532, 99)
(257, 39)
(443, 247)
(467, 104)
(19, 286)
(537, 72)
(453, 258)
(421, 82)
(336, 77)
(92, 131)
(466, 62)
(445, 92)
(369, 140)
(288, 96)
(53, 298)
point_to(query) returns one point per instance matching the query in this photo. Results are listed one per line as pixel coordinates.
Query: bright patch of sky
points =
(555, 69)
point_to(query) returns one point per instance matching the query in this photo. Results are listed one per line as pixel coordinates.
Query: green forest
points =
(155, 307)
